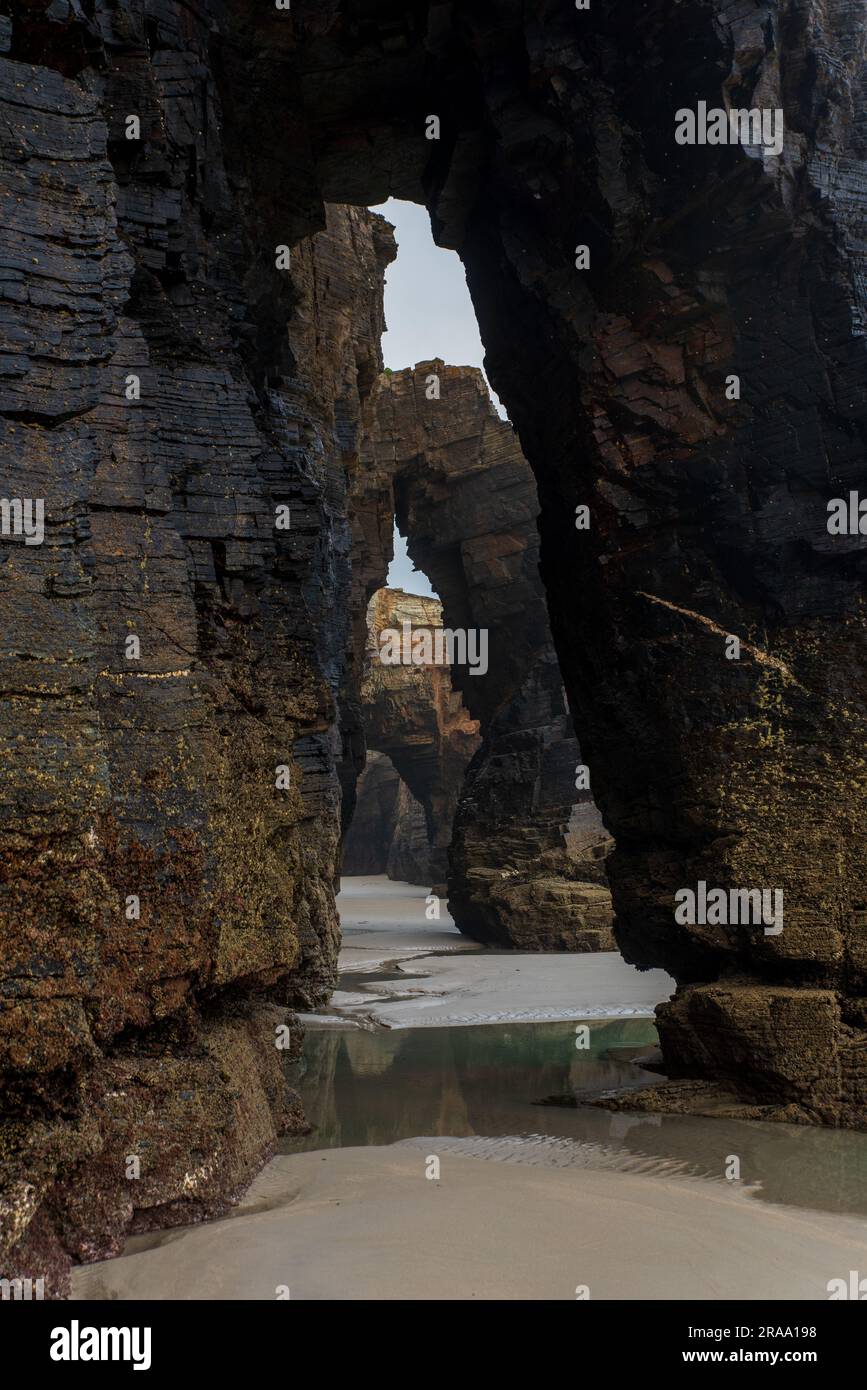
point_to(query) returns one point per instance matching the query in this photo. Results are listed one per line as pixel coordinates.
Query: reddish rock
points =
(413, 714)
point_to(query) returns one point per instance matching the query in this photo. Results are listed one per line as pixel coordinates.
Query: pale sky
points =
(428, 313)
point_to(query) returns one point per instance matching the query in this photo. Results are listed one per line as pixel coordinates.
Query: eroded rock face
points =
(415, 716)
(388, 834)
(167, 891)
(168, 390)
(466, 500)
(708, 512)
(156, 258)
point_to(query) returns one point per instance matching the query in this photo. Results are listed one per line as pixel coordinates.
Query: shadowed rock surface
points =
(389, 833)
(466, 500)
(708, 515)
(157, 885)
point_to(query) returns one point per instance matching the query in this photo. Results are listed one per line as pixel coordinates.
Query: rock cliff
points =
(415, 716)
(388, 834)
(623, 281)
(466, 500)
(175, 650)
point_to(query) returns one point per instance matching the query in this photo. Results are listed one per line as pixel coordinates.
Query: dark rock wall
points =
(708, 519)
(708, 514)
(388, 834)
(157, 886)
(466, 500)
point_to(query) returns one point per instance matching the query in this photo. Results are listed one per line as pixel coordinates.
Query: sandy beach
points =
(368, 1224)
(514, 1213)
(442, 978)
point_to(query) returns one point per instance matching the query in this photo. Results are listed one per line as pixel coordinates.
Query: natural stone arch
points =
(466, 500)
(708, 519)
(708, 514)
(389, 831)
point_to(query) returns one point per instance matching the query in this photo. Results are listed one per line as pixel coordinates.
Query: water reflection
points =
(479, 1084)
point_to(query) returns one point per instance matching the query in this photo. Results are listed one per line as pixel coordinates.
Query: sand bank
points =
(367, 1224)
(383, 921)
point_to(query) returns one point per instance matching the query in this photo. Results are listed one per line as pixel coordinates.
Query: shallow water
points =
(474, 1088)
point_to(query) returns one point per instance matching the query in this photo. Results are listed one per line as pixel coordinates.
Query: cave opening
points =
(418, 736)
(388, 835)
(403, 574)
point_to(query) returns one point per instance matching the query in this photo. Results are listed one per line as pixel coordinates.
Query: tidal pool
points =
(476, 1091)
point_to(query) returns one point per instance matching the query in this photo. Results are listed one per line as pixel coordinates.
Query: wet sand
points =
(367, 1224)
(384, 921)
(505, 1219)
(384, 925)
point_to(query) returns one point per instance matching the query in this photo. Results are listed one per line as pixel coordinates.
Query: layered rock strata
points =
(466, 500)
(175, 649)
(677, 332)
(621, 281)
(415, 716)
(388, 833)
